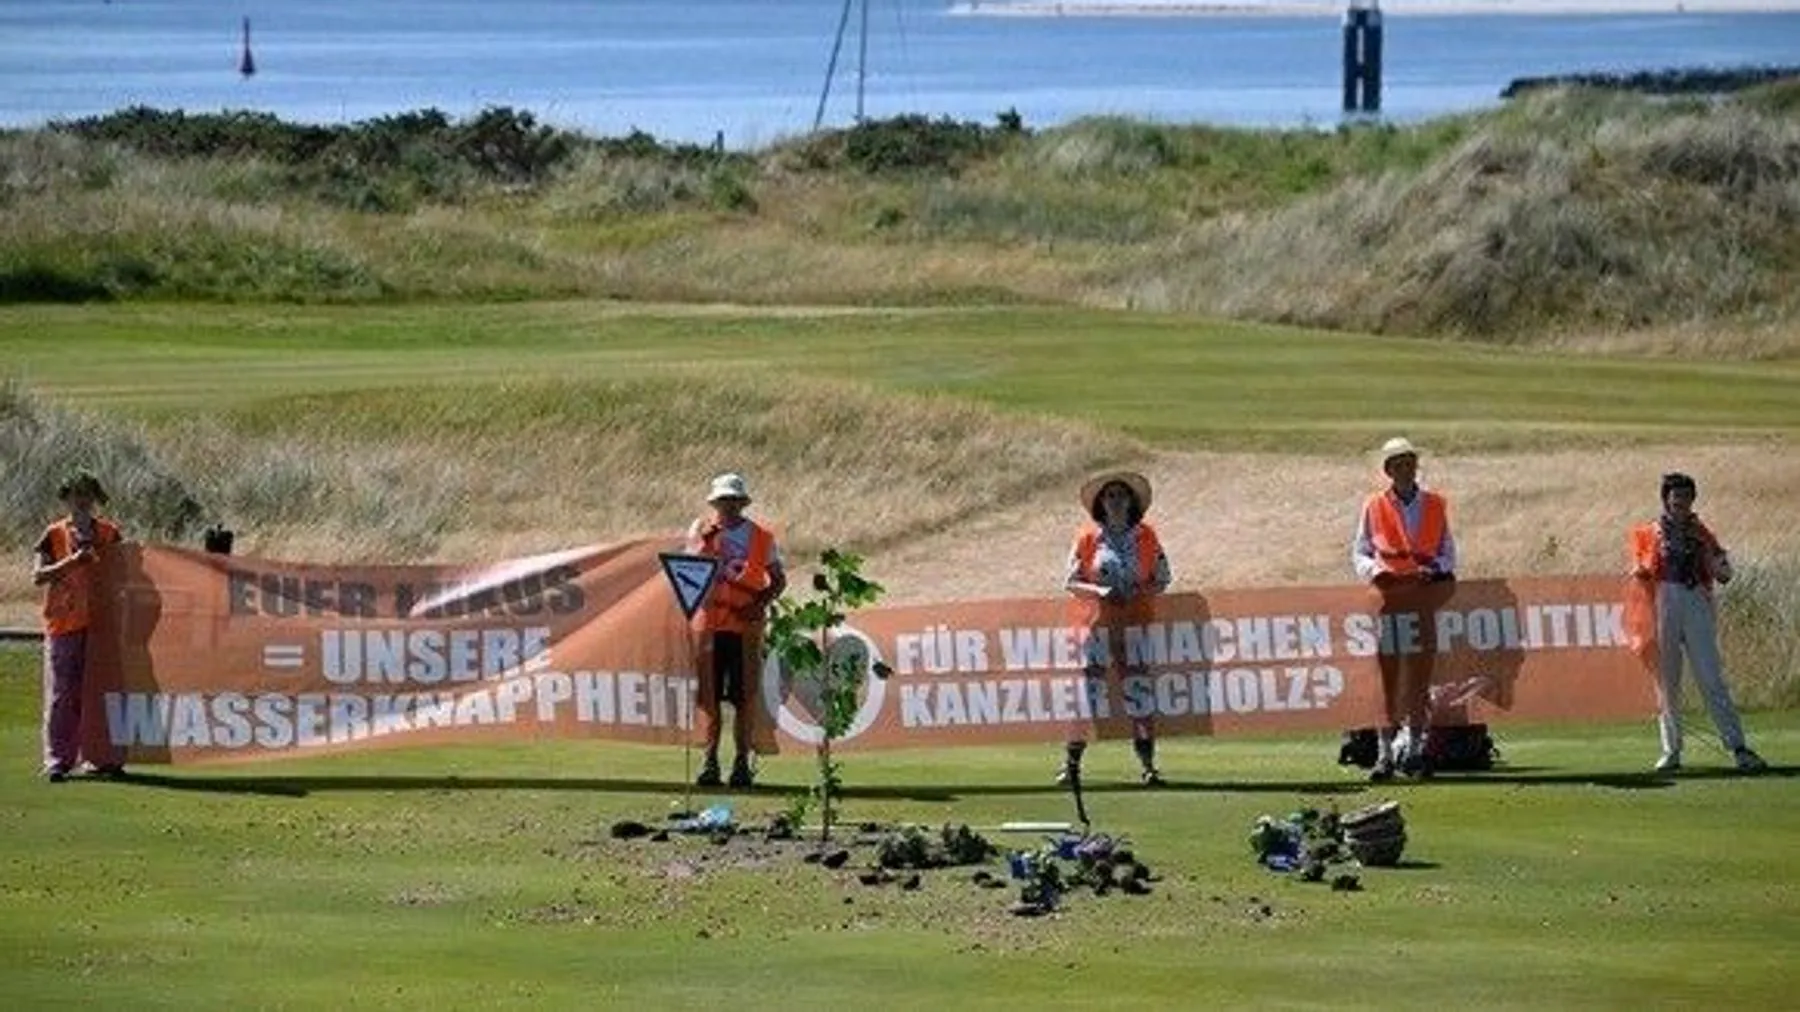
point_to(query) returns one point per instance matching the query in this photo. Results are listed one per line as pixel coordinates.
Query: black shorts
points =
(728, 667)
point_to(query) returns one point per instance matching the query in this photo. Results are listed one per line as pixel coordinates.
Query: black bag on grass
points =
(1360, 748)
(1463, 748)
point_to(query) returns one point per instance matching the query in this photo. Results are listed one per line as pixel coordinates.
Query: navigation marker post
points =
(690, 578)
(1362, 59)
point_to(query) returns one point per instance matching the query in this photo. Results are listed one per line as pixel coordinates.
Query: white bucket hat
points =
(1399, 446)
(728, 486)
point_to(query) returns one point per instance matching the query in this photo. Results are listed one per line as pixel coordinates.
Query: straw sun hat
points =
(1139, 485)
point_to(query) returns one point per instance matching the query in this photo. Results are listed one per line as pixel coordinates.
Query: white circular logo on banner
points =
(780, 686)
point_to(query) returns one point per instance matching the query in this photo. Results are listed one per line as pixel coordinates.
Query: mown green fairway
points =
(1172, 380)
(1568, 880)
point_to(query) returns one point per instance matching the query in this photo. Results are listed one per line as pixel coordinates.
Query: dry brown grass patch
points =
(1245, 520)
(477, 473)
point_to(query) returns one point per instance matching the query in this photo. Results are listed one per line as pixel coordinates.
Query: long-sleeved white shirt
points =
(1367, 563)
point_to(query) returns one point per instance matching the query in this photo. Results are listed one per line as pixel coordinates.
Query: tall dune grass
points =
(474, 472)
(42, 443)
(1760, 624)
(1567, 217)
(1639, 219)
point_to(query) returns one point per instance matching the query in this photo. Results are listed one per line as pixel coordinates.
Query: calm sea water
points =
(754, 69)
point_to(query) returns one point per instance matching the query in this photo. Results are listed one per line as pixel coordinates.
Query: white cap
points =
(728, 486)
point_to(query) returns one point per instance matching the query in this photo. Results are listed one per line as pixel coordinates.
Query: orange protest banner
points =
(204, 658)
(1234, 662)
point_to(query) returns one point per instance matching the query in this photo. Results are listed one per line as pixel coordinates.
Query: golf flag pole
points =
(687, 728)
(690, 578)
(1080, 804)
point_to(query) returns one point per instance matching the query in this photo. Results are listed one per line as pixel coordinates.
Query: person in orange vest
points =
(1116, 568)
(1679, 560)
(64, 566)
(730, 621)
(1404, 549)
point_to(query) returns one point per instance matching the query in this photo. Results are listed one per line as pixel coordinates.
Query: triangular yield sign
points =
(691, 576)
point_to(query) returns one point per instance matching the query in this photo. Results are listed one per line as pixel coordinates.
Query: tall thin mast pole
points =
(862, 60)
(831, 68)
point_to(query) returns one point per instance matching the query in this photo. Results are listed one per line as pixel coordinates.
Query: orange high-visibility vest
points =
(734, 590)
(1087, 613)
(1398, 552)
(1646, 547)
(1087, 543)
(1644, 544)
(66, 599)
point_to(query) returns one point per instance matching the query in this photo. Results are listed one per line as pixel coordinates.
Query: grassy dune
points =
(1573, 217)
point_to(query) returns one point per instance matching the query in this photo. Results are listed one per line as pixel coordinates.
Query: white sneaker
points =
(1669, 763)
(1750, 762)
